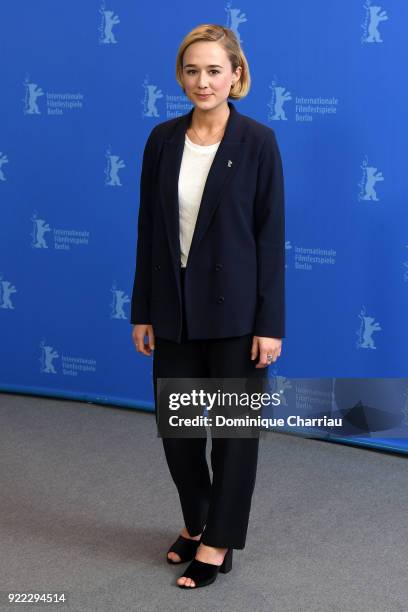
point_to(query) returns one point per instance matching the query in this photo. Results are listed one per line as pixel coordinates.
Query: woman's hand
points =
(265, 346)
(138, 334)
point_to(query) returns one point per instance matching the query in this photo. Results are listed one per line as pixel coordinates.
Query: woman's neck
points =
(211, 121)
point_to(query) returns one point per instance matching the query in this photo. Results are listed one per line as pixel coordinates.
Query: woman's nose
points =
(202, 81)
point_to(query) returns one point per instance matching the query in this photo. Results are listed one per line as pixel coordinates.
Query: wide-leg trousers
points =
(219, 508)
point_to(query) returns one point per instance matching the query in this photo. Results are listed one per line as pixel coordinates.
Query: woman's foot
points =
(206, 554)
(174, 556)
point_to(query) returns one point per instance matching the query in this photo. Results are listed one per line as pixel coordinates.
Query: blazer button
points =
(157, 267)
(218, 267)
(221, 299)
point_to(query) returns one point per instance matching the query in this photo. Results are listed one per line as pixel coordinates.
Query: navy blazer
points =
(234, 280)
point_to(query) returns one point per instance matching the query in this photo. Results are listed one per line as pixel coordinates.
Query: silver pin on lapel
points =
(229, 163)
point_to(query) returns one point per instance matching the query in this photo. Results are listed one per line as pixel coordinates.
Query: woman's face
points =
(207, 70)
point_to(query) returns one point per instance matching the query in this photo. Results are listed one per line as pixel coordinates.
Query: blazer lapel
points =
(223, 168)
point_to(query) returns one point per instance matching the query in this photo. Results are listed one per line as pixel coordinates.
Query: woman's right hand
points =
(138, 334)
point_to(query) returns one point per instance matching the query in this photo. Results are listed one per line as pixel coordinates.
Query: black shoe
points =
(185, 548)
(205, 573)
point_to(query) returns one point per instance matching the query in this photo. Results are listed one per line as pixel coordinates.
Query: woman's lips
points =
(203, 95)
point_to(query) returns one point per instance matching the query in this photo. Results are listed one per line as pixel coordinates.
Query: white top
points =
(195, 165)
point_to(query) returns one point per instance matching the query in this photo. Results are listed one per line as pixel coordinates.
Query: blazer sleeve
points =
(141, 294)
(270, 241)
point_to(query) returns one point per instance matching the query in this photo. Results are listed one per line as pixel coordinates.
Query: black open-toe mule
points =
(185, 548)
(204, 574)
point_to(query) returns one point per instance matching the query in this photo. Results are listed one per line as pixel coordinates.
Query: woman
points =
(209, 283)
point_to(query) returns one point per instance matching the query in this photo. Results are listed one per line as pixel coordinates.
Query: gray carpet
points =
(88, 508)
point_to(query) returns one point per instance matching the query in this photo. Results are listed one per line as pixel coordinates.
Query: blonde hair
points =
(229, 42)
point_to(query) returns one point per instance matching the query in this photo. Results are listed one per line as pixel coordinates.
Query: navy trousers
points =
(219, 508)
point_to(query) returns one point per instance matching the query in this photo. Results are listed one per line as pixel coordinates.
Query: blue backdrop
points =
(83, 83)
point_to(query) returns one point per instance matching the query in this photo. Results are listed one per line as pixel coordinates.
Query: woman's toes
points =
(173, 556)
(186, 581)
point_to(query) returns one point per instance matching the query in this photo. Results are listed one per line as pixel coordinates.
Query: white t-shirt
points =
(195, 165)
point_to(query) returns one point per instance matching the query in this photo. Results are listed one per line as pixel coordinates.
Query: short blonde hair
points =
(229, 42)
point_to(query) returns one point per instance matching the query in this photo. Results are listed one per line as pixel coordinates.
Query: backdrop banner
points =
(83, 84)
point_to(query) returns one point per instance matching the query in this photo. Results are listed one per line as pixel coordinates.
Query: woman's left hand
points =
(265, 346)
